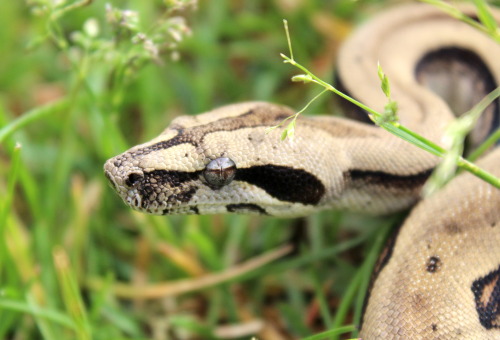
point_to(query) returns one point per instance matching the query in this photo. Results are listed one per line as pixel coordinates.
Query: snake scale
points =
(439, 278)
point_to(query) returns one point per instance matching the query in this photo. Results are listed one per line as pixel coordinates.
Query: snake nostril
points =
(133, 178)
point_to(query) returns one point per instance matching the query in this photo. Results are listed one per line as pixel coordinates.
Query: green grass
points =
(75, 262)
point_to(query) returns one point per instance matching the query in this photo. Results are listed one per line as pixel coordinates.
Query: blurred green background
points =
(81, 81)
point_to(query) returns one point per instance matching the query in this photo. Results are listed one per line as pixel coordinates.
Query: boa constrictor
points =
(440, 277)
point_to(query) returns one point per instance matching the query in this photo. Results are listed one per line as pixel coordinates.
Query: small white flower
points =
(91, 27)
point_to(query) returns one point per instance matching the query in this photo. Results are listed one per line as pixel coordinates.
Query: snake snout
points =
(127, 180)
(122, 175)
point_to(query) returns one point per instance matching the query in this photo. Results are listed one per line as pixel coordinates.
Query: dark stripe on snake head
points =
(245, 208)
(191, 210)
(258, 116)
(284, 183)
(152, 185)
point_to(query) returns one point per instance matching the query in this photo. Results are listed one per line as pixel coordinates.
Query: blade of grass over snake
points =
(402, 132)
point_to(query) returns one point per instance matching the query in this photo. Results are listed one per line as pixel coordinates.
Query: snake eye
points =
(219, 172)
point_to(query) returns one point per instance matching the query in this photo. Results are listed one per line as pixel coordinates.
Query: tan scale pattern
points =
(449, 241)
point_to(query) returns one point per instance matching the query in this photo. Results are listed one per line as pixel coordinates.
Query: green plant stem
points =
(66, 9)
(9, 197)
(71, 294)
(331, 332)
(44, 313)
(456, 13)
(401, 131)
(478, 172)
(489, 142)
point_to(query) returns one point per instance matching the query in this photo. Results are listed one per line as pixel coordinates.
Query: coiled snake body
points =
(440, 278)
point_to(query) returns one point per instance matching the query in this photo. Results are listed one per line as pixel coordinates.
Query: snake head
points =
(223, 161)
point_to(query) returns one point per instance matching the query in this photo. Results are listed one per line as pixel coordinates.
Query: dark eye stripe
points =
(284, 183)
(154, 183)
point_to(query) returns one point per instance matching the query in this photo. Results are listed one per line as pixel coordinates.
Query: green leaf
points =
(331, 332)
(484, 14)
(289, 131)
(42, 312)
(284, 134)
(391, 112)
(384, 82)
(305, 78)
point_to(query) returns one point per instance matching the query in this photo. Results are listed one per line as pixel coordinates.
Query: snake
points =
(439, 275)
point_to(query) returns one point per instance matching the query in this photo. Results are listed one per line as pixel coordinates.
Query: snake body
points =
(440, 276)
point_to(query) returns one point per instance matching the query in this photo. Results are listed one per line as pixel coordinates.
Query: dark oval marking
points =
(433, 264)
(434, 327)
(443, 70)
(486, 291)
(284, 183)
(245, 208)
(452, 228)
(365, 177)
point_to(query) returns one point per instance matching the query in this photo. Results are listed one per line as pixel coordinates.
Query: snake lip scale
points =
(439, 276)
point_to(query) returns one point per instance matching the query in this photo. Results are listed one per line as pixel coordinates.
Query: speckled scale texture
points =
(443, 278)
